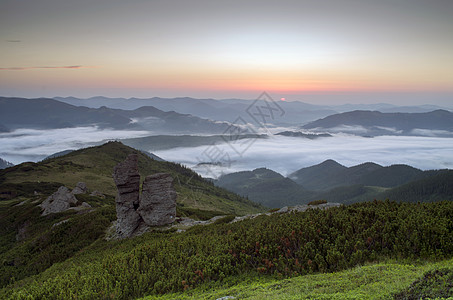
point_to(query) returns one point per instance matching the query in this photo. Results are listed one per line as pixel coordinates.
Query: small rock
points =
(81, 188)
(59, 201)
(284, 209)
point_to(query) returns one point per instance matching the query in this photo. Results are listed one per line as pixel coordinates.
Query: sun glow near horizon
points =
(225, 50)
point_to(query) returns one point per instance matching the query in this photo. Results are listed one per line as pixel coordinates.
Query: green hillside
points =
(333, 182)
(30, 243)
(265, 186)
(264, 248)
(94, 166)
(388, 280)
(437, 187)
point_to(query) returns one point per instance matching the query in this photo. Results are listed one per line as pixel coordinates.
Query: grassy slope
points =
(372, 281)
(95, 166)
(30, 243)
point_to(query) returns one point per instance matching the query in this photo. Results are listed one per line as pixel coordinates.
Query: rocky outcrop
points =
(155, 207)
(63, 200)
(81, 188)
(127, 180)
(158, 200)
(59, 201)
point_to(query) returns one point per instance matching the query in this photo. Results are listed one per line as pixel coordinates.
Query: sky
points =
(329, 51)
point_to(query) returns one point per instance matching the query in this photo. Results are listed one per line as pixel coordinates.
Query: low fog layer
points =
(286, 155)
(282, 154)
(34, 145)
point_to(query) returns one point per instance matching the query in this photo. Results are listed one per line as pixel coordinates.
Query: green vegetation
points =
(371, 281)
(434, 188)
(434, 284)
(277, 246)
(31, 243)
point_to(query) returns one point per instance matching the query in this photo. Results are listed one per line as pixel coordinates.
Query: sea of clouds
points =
(34, 145)
(279, 153)
(288, 154)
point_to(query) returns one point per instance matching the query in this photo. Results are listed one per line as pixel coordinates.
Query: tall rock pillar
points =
(127, 180)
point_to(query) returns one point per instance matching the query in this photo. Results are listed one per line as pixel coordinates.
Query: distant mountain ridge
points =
(334, 182)
(46, 113)
(440, 122)
(296, 112)
(330, 174)
(221, 110)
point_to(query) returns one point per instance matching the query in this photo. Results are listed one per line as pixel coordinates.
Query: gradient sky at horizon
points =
(397, 51)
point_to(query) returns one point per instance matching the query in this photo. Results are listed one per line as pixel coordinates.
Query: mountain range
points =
(438, 122)
(208, 116)
(296, 112)
(49, 114)
(334, 182)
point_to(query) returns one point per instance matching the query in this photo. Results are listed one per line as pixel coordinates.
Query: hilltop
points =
(94, 166)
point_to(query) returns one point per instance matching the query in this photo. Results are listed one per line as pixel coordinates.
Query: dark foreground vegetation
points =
(281, 245)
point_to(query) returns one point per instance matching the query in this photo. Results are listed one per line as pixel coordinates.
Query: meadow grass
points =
(371, 281)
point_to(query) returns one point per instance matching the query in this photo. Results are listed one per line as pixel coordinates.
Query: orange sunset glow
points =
(151, 48)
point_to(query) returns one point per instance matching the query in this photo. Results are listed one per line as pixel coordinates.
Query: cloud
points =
(34, 145)
(429, 132)
(45, 67)
(14, 41)
(286, 155)
(282, 154)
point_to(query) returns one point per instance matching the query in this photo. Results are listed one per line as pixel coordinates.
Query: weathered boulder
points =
(158, 200)
(127, 180)
(59, 201)
(80, 188)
